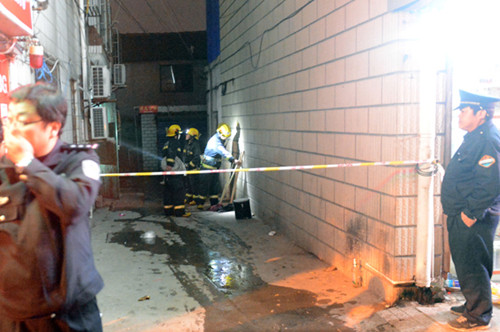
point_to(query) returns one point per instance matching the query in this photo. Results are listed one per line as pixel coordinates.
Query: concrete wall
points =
(327, 82)
(143, 87)
(58, 30)
(149, 142)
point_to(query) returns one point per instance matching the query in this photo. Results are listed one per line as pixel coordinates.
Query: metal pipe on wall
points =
(425, 184)
(84, 58)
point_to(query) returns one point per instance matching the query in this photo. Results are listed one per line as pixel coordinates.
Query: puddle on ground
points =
(229, 275)
(242, 301)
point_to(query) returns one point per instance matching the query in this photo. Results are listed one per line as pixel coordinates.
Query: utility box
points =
(242, 208)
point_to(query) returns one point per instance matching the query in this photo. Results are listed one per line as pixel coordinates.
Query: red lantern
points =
(36, 56)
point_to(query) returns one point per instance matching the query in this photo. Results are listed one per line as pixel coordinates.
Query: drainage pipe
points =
(85, 68)
(425, 184)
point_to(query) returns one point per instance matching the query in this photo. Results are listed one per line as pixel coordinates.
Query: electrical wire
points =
(254, 66)
(225, 14)
(242, 18)
(127, 11)
(176, 31)
(44, 73)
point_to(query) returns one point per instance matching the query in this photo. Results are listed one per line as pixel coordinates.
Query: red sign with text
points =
(4, 85)
(148, 109)
(15, 17)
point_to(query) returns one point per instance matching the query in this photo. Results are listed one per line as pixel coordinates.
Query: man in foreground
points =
(48, 280)
(470, 196)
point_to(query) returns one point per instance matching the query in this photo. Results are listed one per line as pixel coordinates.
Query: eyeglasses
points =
(7, 121)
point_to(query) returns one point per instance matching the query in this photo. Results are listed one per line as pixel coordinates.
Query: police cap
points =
(476, 101)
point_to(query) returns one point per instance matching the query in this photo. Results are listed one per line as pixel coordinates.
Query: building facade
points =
(166, 85)
(339, 82)
(73, 42)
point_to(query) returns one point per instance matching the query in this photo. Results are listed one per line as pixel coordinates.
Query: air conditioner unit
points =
(119, 74)
(94, 7)
(99, 122)
(101, 81)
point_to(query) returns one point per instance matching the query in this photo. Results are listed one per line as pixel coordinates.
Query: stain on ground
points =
(242, 301)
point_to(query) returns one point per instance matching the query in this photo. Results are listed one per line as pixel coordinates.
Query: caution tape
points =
(273, 169)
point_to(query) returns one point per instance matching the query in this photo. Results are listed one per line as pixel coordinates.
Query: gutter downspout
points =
(425, 184)
(85, 85)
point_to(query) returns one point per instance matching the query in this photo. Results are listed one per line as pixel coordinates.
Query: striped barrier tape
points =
(273, 169)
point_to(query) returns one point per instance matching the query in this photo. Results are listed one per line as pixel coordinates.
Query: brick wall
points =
(149, 142)
(325, 82)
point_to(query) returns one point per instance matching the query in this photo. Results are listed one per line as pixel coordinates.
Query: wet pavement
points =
(211, 272)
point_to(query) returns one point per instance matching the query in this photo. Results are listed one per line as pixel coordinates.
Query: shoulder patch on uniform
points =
(91, 169)
(486, 161)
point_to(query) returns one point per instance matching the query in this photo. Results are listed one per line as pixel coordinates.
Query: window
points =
(176, 78)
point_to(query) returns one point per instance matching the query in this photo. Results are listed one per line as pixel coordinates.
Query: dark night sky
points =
(158, 16)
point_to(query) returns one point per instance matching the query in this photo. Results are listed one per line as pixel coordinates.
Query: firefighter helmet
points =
(173, 130)
(224, 130)
(193, 132)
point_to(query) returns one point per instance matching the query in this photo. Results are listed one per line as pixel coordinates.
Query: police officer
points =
(211, 160)
(192, 157)
(173, 190)
(470, 196)
(48, 280)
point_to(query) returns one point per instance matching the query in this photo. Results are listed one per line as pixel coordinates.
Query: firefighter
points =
(211, 160)
(173, 190)
(470, 195)
(192, 157)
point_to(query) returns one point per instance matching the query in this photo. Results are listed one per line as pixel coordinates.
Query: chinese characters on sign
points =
(148, 109)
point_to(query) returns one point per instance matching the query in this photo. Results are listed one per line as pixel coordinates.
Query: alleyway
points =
(211, 272)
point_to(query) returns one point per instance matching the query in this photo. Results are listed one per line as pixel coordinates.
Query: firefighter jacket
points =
(192, 154)
(172, 149)
(214, 152)
(46, 260)
(472, 180)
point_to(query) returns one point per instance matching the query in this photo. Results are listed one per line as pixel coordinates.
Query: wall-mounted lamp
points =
(36, 56)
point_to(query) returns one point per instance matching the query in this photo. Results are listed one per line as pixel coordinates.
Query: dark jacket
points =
(192, 154)
(472, 180)
(172, 149)
(46, 260)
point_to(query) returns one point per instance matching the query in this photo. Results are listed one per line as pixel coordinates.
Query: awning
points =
(15, 18)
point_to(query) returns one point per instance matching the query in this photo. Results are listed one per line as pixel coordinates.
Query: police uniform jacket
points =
(192, 154)
(472, 180)
(172, 149)
(46, 260)
(215, 151)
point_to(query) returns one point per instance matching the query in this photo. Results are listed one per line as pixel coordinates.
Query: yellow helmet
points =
(173, 130)
(224, 130)
(193, 132)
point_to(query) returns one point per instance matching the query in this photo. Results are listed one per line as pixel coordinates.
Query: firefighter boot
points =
(180, 211)
(169, 210)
